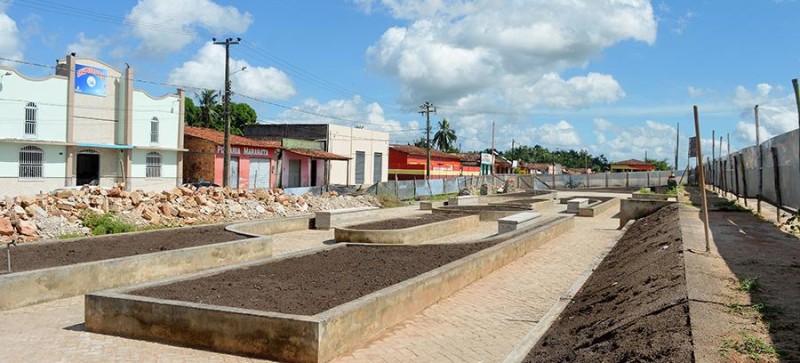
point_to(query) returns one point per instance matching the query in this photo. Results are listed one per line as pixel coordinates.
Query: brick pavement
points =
(482, 322)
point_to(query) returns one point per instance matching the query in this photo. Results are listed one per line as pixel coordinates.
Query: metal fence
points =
(770, 171)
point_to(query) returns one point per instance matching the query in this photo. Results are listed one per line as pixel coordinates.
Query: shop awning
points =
(318, 154)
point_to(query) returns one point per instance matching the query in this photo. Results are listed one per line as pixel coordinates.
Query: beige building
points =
(368, 150)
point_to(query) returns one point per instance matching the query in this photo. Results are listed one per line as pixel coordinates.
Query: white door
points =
(259, 173)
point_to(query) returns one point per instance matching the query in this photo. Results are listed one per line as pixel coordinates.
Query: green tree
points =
(420, 142)
(242, 115)
(659, 164)
(191, 112)
(445, 138)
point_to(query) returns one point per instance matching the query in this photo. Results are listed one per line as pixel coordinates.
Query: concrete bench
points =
(574, 205)
(516, 221)
(429, 205)
(342, 217)
(463, 200)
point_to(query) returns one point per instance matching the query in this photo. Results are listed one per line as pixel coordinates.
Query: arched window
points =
(153, 165)
(154, 130)
(30, 118)
(30, 162)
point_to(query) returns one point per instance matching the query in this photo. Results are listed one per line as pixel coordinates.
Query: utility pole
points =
(493, 147)
(797, 99)
(226, 161)
(713, 156)
(427, 108)
(702, 174)
(760, 164)
(677, 144)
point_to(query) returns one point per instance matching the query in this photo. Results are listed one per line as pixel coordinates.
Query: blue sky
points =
(612, 76)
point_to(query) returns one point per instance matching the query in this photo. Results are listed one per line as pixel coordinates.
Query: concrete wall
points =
(269, 227)
(198, 162)
(165, 108)
(630, 209)
(169, 170)
(96, 117)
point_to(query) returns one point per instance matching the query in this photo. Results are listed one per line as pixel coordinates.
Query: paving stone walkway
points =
(480, 323)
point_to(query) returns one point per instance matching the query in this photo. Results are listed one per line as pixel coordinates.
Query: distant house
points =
(365, 151)
(631, 165)
(407, 162)
(540, 168)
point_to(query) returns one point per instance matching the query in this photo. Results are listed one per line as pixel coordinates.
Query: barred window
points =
(30, 162)
(154, 130)
(30, 118)
(153, 165)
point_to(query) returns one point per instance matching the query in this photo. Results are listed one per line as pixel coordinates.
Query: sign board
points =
(248, 151)
(486, 158)
(693, 147)
(90, 80)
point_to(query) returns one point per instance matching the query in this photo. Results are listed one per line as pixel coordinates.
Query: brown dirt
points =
(311, 284)
(491, 207)
(50, 254)
(401, 223)
(634, 307)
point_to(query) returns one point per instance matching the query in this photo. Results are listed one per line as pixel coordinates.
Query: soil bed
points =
(633, 308)
(311, 284)
(401, 223)
(51, 254)
(490, 207)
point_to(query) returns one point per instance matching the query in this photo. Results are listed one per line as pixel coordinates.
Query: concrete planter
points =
(413, 235)
(343, 217)
(651, 196)
(485, 212)
(268, 227)
(37, 286)
(298, 338)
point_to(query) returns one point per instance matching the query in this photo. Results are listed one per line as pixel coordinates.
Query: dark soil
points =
(491, 207)
(50, 254)
(633, 308)
(311, 284)
(401, 223)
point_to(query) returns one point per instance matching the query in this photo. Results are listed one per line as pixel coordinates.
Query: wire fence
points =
(769, 171)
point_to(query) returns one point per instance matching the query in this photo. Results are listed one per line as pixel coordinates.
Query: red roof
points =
(632, 162)
(218, 137)
(473, 157)
(318, 154)
(421, 151)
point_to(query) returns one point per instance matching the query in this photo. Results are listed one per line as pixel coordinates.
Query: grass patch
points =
(731, 206)
(749, 345)
(645, 191)
(70, 235)
(749, 284)
(106, 223)
(438, 197)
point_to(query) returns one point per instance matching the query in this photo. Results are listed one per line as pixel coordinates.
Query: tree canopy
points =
(211, 114)
(445, 138)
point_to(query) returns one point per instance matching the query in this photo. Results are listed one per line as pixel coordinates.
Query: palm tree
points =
(445, 138)
(208, 114)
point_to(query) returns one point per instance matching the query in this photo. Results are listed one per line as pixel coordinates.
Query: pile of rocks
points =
(59, 213)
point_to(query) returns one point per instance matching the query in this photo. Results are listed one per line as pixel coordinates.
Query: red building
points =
(252, 161)
(408, 162)
(632, 165)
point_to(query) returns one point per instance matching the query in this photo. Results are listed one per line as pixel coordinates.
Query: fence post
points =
(606, 180)
(648, 178)
(736, 177)
(776, 171)
(760, 178)
(744, 179)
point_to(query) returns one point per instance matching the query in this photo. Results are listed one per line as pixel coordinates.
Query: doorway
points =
(87, 168)
(233, 178)
(314, 171)
(294, 173)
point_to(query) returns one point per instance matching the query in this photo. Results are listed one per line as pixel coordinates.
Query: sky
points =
(614, 77)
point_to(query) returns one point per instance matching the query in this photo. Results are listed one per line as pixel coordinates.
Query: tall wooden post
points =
(702, 176)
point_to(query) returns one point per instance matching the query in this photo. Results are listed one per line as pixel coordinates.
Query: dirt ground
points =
(401, 223)
(311, 284)
(43, 255)
(745, 291)
(633, 308)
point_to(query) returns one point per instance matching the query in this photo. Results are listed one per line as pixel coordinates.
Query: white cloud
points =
(560, 134)
(348, 112)
(682, 22)
(695, 92)
(168, 26)
(620, 143)
(10, 44)
(87, 47)
(777, 114)
(207, 70)
(552, 90)
(455, 49)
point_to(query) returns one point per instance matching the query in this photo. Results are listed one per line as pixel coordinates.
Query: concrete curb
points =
(295, 338)
(268, 227)
(412, 235)
(37, 286)
(485, 214)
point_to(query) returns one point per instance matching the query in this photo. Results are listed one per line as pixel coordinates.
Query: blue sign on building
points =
(90, 80)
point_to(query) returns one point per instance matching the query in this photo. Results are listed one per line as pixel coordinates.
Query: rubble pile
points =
(59, 213)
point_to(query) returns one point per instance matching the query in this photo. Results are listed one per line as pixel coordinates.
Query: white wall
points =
(346, 141)
(52, 168)
(96, 117)
(50, 96)
(166, 109)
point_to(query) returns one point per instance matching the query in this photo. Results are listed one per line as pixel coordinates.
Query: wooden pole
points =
(736, 177)
(711, 165)
(777, 175)
(760, 166)
(744, 177)
(702, 176)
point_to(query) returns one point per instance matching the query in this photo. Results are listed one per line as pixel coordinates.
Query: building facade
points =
(366, 152)
(407, 162)
(631, 165)
(86, 124)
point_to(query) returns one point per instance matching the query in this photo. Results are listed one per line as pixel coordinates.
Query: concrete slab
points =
(343, 217)
(463, 200)
(517, 221)
(268, 227)
(575, 204)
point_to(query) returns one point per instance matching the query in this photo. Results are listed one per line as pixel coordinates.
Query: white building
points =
(87, 125)
(368, 150)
